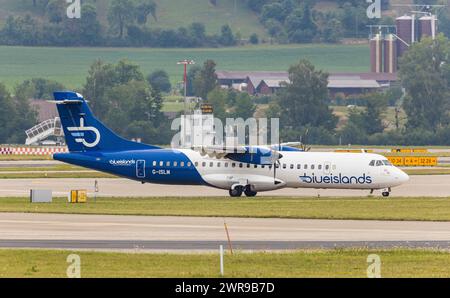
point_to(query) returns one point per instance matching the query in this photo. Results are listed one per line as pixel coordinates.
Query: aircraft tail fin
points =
(84, 132)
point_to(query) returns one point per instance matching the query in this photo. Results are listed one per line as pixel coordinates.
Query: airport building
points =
(267, 83)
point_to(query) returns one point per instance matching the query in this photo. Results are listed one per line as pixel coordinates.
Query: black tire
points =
(386, 194)
(236, 192)
(249, 193)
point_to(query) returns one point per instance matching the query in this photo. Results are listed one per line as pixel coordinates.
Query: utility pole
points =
(185, 62)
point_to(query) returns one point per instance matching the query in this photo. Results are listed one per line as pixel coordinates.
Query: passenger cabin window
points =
(175, 163)
(284, 166)
(161, 163)
(211, 164)
(168, 164)
(189, 164)
(203, 164)
(292, 167)
(305, 167)
(218, 164)
(226, 165)
(182, 164)
(312, 167)
(233, 165)
(155, 163)
(320, 167)
(327, 167)
(241, 165)
(196, 163)
(299, 167)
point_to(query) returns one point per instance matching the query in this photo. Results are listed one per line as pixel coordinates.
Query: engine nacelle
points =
(257, 182)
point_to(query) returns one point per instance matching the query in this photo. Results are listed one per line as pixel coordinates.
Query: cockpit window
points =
(372, 163)
(379, 163)
(387, 163)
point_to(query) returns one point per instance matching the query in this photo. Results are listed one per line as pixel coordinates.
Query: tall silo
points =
(428, 26)
(390, 53)
(406, 32)
(376, 53)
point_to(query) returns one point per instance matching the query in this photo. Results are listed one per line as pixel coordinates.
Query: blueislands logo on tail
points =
(84, 132)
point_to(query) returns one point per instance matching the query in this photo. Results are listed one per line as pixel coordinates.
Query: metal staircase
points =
(44, 130)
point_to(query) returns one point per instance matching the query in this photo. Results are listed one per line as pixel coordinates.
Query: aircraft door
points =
(140, 169)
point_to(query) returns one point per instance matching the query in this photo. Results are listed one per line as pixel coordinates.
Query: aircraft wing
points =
(246, 154)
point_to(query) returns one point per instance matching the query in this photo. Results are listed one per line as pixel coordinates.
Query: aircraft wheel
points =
(249, 193)
(236, 192)
(386, 194)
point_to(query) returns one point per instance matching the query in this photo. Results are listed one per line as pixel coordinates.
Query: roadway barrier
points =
(409, 150)
(32, 150)
(353, 151)
(413, 161)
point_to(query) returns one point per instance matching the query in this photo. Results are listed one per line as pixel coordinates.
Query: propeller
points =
(276, 156)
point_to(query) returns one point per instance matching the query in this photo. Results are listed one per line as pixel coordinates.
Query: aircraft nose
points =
(402, 176)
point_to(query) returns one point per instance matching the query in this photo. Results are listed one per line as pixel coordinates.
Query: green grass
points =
(427, 171)
(310, 263)
(20, 63)
(370, 208)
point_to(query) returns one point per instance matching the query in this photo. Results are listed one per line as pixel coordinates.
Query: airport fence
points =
(32, 150)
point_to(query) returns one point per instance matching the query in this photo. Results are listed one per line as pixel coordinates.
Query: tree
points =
(425, 74)
(159, 80)
(104, 76)
(218, 98)
(37, 88)
(206, 79)
(300, 25)
(16, 116)
(254, 39)
(120, 96)
(191, 75)
(121, 13)
(55, 11)
(304, 100)
(143, 8)
(7, 114)
(227, 38)
(244, 107)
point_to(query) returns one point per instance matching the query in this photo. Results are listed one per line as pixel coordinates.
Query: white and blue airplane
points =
(240, 170)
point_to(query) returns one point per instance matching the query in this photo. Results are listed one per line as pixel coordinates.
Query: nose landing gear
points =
(386, 193)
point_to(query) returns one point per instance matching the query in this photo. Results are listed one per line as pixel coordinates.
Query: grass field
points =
(311, 263)
(20, 63)
(371, 208)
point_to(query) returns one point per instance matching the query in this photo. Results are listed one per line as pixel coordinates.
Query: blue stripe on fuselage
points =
(124, 164)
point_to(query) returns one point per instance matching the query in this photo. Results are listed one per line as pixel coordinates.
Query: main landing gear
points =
(238, 190)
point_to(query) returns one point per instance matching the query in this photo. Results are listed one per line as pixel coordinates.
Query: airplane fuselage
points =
(294, 170)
